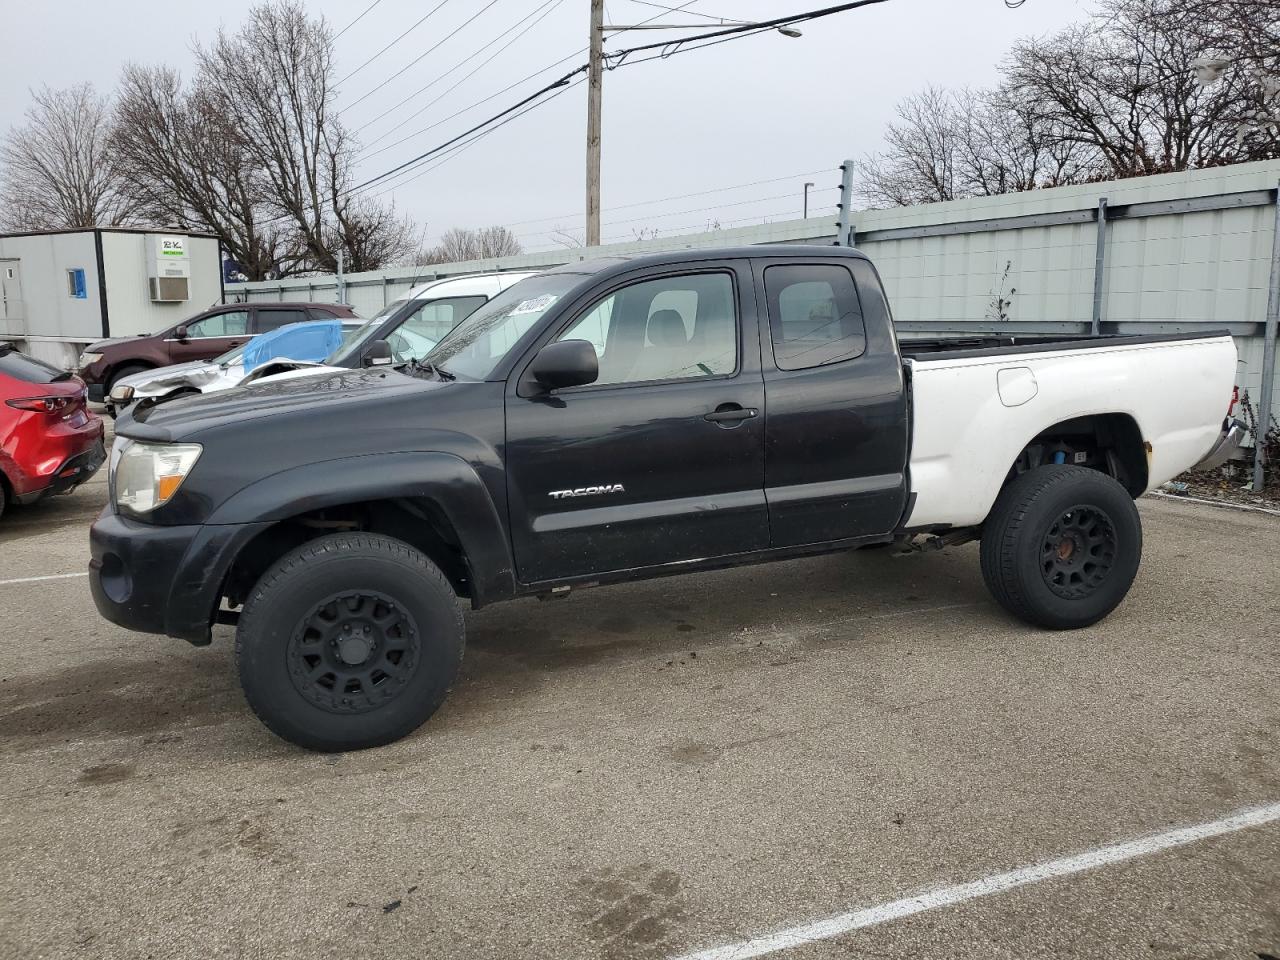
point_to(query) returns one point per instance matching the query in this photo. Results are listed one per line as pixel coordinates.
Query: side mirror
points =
(378, 354)
(569, 363)
(181, 332)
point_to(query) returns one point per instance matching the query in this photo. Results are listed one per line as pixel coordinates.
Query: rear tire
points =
(350, 641)
(1061, 546)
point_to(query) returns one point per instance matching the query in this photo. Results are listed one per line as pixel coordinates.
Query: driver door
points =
(661, 460)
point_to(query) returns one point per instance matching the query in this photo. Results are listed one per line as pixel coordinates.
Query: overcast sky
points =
(756, 109)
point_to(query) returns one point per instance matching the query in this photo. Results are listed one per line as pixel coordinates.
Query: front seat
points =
(666, 352)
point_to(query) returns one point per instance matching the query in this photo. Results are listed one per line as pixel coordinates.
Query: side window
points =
(675, 328)
(232, 323)
(814, 315)
(426, 326)
(272, 319)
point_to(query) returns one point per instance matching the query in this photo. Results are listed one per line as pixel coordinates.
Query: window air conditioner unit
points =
(169, 289)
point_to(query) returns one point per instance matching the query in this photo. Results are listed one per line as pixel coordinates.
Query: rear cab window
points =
(815, 316)
(28, 369)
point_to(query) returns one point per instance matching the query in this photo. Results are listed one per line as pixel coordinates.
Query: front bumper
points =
(1227, 444)
(158, 579)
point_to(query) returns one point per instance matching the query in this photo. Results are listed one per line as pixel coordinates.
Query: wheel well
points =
(419, 522)
(1110, 442)
(113, 372)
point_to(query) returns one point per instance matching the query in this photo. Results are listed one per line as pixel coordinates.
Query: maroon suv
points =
(202, 337)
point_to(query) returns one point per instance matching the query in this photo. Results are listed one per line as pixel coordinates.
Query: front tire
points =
(350, 641)
(1061, 546)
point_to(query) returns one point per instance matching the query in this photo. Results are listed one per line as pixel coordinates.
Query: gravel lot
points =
(659, 768)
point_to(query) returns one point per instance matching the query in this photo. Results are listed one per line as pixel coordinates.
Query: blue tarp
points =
(313, 340)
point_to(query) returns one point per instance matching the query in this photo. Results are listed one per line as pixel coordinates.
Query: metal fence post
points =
(1268, 357)
(845, 205)
(1099, 266)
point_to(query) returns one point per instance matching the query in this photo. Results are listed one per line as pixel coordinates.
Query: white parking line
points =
(842, 923)
(56, 576)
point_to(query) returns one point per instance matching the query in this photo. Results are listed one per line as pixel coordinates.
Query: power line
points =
(536, 73)
(357, 19)
(718, 206)
(620, 56)
(692, 13)
(460, 148)
(680, 213)
(563, 81)
(457, 113)
(418, 59)
(552, 4)
(682, 196)
(672, 47)
(415, 26)
(457, 83)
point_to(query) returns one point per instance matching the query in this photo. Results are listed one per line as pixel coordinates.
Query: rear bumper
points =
(69, 475)
(157, 579)
(1228, 442)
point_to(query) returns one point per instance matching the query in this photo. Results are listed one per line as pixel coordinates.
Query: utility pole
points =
(595, 78)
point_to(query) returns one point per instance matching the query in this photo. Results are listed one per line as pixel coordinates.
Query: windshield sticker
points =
(536, 305)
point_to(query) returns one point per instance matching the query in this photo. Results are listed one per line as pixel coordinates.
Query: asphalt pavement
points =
(658, 769)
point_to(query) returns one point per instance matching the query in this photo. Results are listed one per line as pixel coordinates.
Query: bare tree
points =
(947, 145)
(1239, 42)
(458, 244)
(274, 76)
(1142, 87)
(920, 163)
(57, 169)
(186, 164)
(253, 150)
(1121, 85)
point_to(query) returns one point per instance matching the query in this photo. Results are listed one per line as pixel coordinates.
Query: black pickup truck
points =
(619, 419)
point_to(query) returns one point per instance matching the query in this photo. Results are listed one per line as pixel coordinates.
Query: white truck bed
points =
(973, 411)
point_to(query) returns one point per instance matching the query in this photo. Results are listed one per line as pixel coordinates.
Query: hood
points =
(280, 369)
(303, 396)
(174, 375)
(113, 342)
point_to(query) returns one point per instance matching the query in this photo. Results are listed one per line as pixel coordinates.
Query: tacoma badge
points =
(587, 491)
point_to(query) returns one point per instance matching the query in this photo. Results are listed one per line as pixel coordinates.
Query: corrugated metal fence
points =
(1173, 253)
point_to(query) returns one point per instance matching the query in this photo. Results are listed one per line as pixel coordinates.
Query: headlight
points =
(87, 358)
(147, 475)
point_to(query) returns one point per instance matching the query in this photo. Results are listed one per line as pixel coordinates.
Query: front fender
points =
(446, 480)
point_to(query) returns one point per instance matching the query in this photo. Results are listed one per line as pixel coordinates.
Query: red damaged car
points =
(49, 441)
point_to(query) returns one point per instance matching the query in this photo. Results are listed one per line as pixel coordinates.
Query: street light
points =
(595, 81)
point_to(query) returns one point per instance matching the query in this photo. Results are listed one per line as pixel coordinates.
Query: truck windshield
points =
(473, 348)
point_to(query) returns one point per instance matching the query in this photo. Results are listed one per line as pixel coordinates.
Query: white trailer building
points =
(62, 290)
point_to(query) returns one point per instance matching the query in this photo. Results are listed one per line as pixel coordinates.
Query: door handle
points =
(731, 413)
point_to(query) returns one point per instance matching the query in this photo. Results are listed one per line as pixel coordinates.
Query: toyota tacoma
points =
(619, 419)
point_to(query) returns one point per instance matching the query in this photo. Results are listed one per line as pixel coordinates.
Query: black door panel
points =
(835, 433)
(633, 474)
